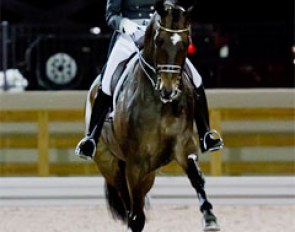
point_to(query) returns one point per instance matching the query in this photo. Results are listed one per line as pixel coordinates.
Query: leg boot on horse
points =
(210, 140)
(194, 173)
(86, 148)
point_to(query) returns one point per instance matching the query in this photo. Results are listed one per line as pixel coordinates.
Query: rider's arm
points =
(113, 14)
(116, 21)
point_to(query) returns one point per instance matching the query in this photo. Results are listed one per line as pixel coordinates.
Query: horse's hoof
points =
(211, 228)
(210, 222)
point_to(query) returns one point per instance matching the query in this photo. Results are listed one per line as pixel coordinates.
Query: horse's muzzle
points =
(168, 84)
(169, 95)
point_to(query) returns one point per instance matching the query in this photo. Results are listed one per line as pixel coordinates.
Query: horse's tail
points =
(115, 203)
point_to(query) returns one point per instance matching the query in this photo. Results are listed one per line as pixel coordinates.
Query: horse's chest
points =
(162, 134)
(171, 126)
(161, 122)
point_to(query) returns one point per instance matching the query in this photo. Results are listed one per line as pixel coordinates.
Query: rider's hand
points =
(128, 27)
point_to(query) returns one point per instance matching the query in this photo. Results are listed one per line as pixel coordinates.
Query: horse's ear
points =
(190, 10)
(188, 5)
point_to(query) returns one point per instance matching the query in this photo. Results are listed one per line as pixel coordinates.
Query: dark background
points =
(258, 34)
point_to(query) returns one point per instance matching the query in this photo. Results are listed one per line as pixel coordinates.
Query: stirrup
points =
(79, 148)
(214, 147)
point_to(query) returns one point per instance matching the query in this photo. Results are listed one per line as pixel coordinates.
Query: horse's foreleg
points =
(138, 184)
(196, 178)
(122, 208)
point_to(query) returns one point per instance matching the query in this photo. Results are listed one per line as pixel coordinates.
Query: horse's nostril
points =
(166, 93)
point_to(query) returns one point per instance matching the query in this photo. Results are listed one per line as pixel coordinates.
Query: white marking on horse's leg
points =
(175, 38)
(194, 157)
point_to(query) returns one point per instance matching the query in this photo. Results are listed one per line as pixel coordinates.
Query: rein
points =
(143, 62)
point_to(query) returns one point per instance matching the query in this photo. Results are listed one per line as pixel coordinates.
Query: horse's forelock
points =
(176, 14)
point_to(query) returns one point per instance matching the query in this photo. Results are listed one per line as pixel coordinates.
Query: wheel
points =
(61, 69)
(64, 63)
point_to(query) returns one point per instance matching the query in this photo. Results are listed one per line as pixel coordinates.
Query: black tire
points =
(65, 63)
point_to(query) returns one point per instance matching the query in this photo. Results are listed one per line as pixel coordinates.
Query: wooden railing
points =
(269, 139)
(43, 140)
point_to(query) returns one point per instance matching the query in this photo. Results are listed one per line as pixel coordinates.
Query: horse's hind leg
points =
(196, 178)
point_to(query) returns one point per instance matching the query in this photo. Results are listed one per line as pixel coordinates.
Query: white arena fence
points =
(64, 191)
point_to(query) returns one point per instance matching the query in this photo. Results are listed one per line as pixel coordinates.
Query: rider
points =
(128, 18)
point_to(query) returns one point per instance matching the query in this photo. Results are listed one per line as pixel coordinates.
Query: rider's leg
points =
(87, 146)
(122, 49)
(210, 140)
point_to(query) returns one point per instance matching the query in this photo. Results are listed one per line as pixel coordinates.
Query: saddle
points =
(119, 72)
(119, 77)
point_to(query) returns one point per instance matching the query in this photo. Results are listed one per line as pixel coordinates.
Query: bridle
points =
(162, 68)
(173, 30)
(170, 68)
(157, 69)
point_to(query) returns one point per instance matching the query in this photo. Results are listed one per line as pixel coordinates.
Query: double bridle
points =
(170, 68)
(162, 68)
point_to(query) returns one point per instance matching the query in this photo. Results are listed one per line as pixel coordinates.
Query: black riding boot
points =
(210, 140)
(86, 148)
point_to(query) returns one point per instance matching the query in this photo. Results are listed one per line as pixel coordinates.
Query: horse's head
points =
(167, 40)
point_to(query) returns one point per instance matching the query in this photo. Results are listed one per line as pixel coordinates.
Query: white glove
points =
(128, 27)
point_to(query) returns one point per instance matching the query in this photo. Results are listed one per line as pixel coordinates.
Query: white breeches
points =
(122, 50)
(197, 79)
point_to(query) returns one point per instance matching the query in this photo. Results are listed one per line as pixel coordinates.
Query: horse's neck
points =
(144, 94)
(142, 89)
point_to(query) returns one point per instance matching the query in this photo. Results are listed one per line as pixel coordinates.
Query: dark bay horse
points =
(153, 121)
